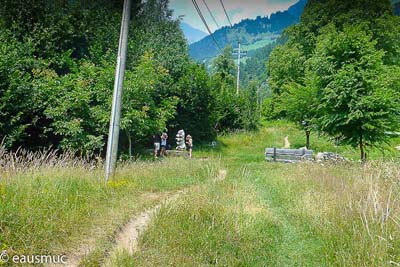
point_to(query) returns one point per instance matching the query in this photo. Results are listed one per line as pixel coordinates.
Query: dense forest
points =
(57, 66)
(339, 72)
(336, 72)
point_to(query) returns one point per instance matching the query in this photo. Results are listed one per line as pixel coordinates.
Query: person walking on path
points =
(157, 140)
(189, 142)
(164, 138)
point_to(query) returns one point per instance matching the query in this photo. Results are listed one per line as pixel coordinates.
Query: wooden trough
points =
(288, 155)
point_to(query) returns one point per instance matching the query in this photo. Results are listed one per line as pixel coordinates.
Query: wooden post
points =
(274, 153)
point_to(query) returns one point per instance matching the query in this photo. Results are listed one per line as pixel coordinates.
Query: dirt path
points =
(88, 245)
(287, 143)
(127, 239)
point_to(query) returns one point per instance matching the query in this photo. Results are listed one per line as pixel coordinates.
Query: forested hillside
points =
(57, 66)
(249, 31)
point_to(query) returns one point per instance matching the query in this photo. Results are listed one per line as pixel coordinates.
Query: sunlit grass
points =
(57, 203)
(262, 214)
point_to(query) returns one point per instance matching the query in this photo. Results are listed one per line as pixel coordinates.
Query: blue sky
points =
(237, 10)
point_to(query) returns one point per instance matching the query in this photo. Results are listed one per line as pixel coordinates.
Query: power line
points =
(226, 13)
(211, 14)
(205, 23)
(238, 38)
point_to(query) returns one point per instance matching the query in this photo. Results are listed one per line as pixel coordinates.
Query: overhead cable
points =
(205, 24)
(211, 14)
(226, 13)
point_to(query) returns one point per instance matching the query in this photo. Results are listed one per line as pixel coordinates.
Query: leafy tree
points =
(250, 116)
(21, 119)
(356, 104)
(342, 56)
(77, 105)
(143, 112)
(299, 101)
(224, 70)
(196, 102)
(386, 31)
(285, 65)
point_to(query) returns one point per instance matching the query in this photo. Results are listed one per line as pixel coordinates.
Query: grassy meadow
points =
(51, 204)
(267, 214)
(260, 214)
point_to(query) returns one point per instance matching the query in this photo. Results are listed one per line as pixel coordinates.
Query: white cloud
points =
(237, 10)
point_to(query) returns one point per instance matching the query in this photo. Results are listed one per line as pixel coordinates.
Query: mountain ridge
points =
(249, 31)
(192, 34)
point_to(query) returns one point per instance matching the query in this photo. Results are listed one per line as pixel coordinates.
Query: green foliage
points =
(224, 70)
(339, 70)
(299, 102)
(285, 65)
(57, 66)
(356, 104)
(144, 112)
(19, 112)
(195, 107)
(232, 111)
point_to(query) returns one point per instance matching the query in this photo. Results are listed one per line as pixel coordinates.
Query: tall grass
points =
(351, 212)
(267, 214)
(218, 224)
(262, 214)
(53, 203)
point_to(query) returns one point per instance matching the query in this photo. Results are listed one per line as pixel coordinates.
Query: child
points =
(156, 139)
(189, 142)
(164, 138)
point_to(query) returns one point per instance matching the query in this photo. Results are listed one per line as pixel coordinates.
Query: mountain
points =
(192, 34)
(253, 33)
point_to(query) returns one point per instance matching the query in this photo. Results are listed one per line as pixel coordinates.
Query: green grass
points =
(266, 214)
(262, 214)
(256, 45)
(250, 147)
(50, 209)
(207, 228)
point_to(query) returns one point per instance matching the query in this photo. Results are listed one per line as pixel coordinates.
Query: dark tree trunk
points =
(129, 144)
(363, 155)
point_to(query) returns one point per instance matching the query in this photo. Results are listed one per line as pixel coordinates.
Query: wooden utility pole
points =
(238, 71)
(113, 135)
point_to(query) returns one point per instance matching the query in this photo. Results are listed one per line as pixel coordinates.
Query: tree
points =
(144, 112)
(224, 70)
(285, 65)
(250, 114)
(342, 56)
(356, 104)
(195, 105)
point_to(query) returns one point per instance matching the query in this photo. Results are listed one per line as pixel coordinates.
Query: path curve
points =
(128, 237)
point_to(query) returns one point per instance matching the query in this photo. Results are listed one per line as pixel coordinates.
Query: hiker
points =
(164, 138)
(157, 140)
(189, 142)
